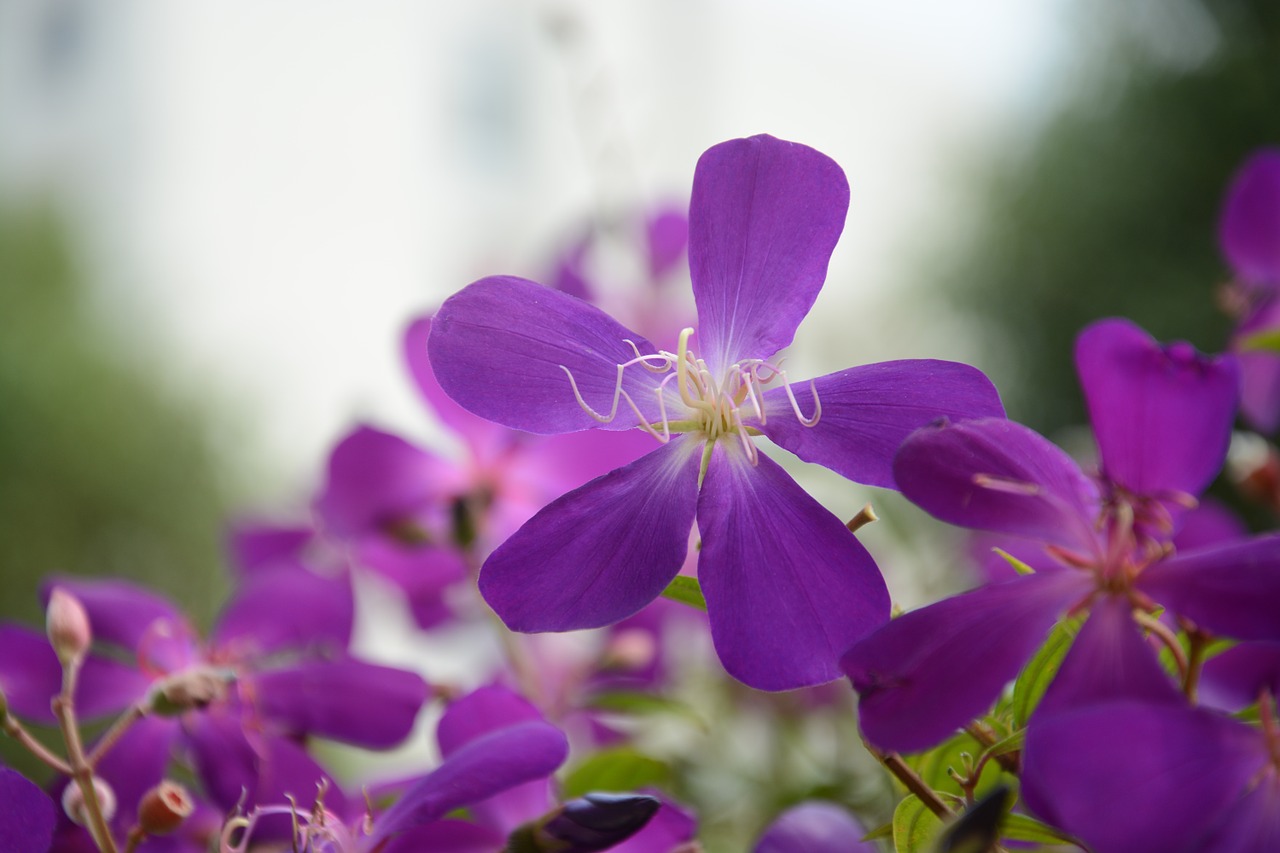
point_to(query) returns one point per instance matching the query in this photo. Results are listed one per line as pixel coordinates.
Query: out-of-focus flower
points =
(26, 814)
(1162, 417)
(787, 587)
(814, 827)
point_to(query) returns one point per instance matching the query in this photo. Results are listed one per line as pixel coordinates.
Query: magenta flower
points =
(787, 587)
(26, 814)
(815, 827)
(1162, 417)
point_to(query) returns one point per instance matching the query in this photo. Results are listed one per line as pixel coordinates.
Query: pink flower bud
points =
(164, 808)
(73, 802)
(68, 626)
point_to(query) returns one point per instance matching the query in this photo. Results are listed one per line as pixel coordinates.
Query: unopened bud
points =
(68, 626)
(630, 649)
(594, 822)
(164, 808)
(73, 802)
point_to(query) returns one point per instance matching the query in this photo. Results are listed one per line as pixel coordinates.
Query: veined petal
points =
(498, 347)
(1229, 589)
(1249, 230)
(484, 767)
(764, 218)
(480, 433)
(348, 700)
(868, 411)
(1170, 771)
(120, 612)
(815, 827)
(1162, 416)
(997, 475)
(27, 815)
(931, 671)
(287, 606)
(788, 587)
(601, 552)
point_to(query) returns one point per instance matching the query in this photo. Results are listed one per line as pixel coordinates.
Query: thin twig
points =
(909, 778)
(18, 732)
(132, 714)
(81, 770)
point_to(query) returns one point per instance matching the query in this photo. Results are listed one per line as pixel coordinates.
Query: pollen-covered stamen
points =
(716, 406)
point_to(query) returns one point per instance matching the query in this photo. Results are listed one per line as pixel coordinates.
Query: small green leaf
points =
(1019, 827)
(621, 769)
(1018, 566)
(628, 702)
(914, 826)
(1040, 670)
(686, 590)
(884, 830)
(1004, 746)
(1268, 341)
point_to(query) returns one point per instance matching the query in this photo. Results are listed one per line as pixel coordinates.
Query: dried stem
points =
(18, 732)
(909, 778)
(135, 712)
(81, 769)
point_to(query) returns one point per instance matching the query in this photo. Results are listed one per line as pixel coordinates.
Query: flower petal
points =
(479, 433)
(1251, 825)
(422, 572)
(253, 545)
(288, 606)
(1162, 416)
(764, 218)
(27, 815)
(601, 552)
(487, 709)
(30, 676)
(788, 587)
(120, 612)
(931, 671)
(1233, 679)
(498, 347)
(1259, 370)
(868, 411)
(669, 828)
(815, 827)
(137, 763)
(484, 767)
(1229, 589)
(348, 700)
(666, 237)
(446, 836)
(997, 475)
(1249, 230)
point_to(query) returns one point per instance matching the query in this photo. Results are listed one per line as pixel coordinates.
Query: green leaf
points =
(621, 769)
(1267, 341)
(932, 765)
(1018, 566)
(1041, 669)
(914, 826)
(1012, 743)
(628, 702)
(884, 830)
(686, 590)
(1019, 827)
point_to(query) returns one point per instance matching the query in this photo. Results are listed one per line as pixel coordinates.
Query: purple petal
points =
(1209, 523)
(997, 475)
(265, 771)
(137, 763)
(1130, 775)
(499, 345)
(121, 613)
(30, 676)
(868, 411)
(26, 814)
(447, 836)
(479, 433)
(1259, 370)
(253, 545)
(764, 218)
(601, 552)
(422, 572)
(788, 587)
(480, 769)
(993, 567)
(815, 827)
(667, 235)
(1249, 230)
(485, 710)
(1230, 590)
(931, 671)
(287, 607)
(1109, 660)
(1162, 415)
(1252, 824)
(348, 700)
(377, 479)
(1233, 679)
(670, 827)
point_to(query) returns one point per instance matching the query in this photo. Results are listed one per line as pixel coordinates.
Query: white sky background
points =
(268, 189)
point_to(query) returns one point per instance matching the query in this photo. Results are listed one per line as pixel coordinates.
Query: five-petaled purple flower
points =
(788, 588)
(1162, 419)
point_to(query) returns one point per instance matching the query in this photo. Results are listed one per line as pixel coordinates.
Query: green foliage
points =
(615, 770)
(1040, 670)
(686, 590)
(914, 826)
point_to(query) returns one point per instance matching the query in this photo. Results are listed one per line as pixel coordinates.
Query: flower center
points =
(730, 405)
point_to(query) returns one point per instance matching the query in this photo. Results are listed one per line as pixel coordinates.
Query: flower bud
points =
(594, 822)
(68, 626)
(164, 808)
(73, 802)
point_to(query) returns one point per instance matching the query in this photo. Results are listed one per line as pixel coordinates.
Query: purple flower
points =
(1249, 233)
(1117, 758)
(787, 587)
(1162, 417)
(815, 827)
(26, 814)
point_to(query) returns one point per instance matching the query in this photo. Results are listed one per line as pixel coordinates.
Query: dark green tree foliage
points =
(100, 473)
(1113, 210)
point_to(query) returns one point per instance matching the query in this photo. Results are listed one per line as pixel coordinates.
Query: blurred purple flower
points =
(787, 587)
(815, 827)
(26, 814)
(1162, 417)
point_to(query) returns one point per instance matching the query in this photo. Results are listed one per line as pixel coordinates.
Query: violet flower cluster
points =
(1111, 688)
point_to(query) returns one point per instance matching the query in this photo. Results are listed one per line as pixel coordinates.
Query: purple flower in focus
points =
(1162, 418)
(1249, 234)
(787, 587)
